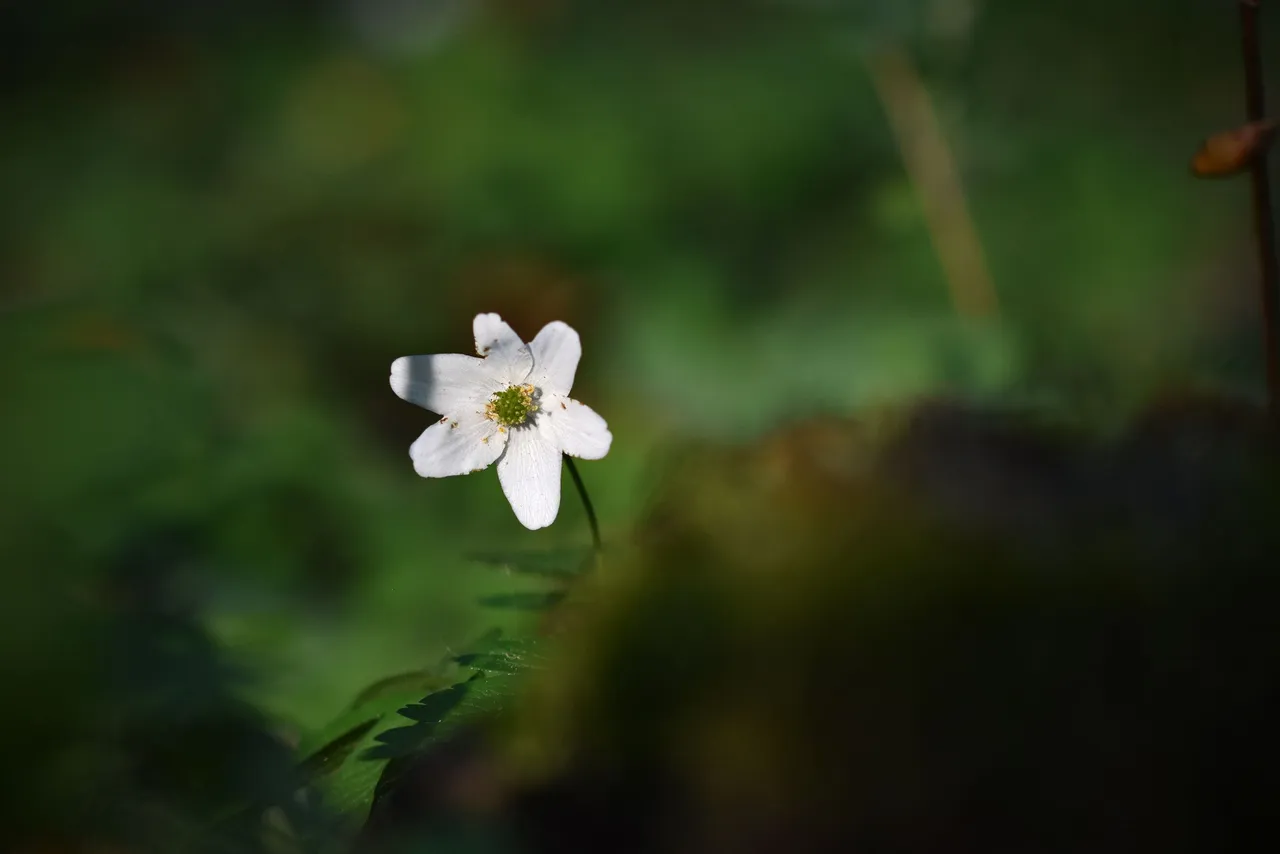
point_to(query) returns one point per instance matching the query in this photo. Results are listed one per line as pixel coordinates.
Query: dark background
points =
(220, 222)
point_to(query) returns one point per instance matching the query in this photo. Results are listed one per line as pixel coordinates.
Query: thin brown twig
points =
(932, 170)
(1263, 212)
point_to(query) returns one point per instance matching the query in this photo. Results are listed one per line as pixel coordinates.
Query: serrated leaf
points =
(466, 704)
(443, 713)
(523, 601)
(348, 787)
(436, 706)
(505, 656)
(333, 759)
(395, 720)
(378, 700)
(422, 680)
(559, 564)
(330, 756)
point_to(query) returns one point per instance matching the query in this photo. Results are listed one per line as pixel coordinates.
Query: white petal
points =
(530, 476)
(457, 446)
(574, 428)
(556, 351)
(508, 357)
(448, 384)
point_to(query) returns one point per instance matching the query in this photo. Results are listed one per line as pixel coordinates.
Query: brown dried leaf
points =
(1233, 151)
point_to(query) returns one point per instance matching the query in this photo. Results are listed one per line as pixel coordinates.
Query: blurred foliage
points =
(221, 222)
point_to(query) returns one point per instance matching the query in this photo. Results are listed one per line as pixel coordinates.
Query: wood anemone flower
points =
(510, 405)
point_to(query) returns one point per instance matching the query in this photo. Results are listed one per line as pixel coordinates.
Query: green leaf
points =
(349, 789)
(506, 656)
(441, 714)
(523, 601)
(334, 759)
(373, 703)
(497, 665)
(330, 756)
(439, 717)
(559, 564)
(391, 719)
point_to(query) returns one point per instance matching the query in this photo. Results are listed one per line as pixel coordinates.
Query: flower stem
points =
(586, 503)
(1263, 215)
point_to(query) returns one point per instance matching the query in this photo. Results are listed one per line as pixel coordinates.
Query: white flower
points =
(511, 407)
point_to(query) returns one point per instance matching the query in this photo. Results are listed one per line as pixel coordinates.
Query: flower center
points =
(512, 406)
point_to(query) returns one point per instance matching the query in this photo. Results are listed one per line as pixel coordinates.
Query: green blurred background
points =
(221, 222)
